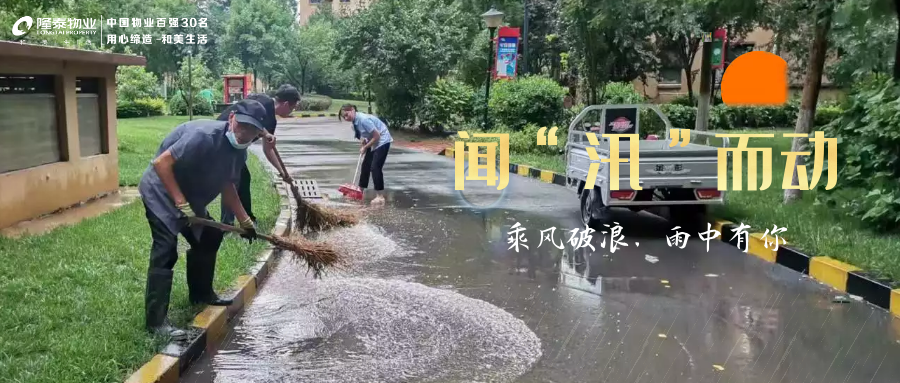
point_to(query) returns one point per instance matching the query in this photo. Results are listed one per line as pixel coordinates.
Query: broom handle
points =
(294, 188)
(358, 167)
(229, 228)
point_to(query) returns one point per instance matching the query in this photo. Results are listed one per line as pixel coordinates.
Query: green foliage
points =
(314, 103)
(680, 116)
(403, 46)
(257, 31)
(868, 134)
(723, 117)
(826, 114)
(609, 40)
(133, 82)
(621, 93)
(532, 99)
(201, 107)
(683, 100)
(142, 107)
(447, 104)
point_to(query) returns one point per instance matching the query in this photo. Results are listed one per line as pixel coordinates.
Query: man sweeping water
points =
(376, 143)
(285, 101)
(196, 163)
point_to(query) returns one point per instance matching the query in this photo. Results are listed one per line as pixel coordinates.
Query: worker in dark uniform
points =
(196, 163)
(286, 99)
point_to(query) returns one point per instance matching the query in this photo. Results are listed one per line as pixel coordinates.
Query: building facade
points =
(306, 8)
(58, 144)
(671, 81)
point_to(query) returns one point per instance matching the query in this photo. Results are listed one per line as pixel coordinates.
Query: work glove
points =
(186, 210)
(249, 228)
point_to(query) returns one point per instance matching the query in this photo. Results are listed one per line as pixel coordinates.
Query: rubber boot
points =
(201, 268)
(159, 288)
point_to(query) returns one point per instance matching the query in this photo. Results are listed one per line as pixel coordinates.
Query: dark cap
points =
(250, 112)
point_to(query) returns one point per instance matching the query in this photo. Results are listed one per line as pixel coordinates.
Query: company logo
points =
(620, 125)
(28, 22)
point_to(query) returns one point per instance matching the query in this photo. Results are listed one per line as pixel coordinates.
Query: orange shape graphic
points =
(756, 78)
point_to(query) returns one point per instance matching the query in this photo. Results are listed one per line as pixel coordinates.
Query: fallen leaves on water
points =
(718, 367)
(663, 336)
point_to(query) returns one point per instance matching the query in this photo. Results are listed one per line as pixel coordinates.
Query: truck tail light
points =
(626, 195)
(708, 193)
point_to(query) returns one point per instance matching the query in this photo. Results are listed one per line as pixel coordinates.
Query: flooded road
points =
(436, 295)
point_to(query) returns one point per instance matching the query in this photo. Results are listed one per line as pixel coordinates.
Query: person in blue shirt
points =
(286, 99)
(196, 162)
(376, 143)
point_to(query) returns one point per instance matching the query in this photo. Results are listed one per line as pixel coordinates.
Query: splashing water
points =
(375, 330)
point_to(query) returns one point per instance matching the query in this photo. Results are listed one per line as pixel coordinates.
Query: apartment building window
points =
(315, 1)
(737, 50)
(669, 76)
(345, 1)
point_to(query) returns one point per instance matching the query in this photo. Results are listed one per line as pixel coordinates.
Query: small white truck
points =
(682, 179)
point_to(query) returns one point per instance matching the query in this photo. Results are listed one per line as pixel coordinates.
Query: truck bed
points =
(658, 149)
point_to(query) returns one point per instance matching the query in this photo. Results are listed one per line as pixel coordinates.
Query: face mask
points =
(233, 140)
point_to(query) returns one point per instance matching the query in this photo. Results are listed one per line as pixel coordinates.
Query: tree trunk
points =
(897, 51)
(811, 86)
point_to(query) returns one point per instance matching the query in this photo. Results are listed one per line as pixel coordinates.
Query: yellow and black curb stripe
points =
(174, 360)
(525, 171)
(308, 115)
(839, 275)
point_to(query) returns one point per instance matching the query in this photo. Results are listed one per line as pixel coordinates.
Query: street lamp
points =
(493, 18)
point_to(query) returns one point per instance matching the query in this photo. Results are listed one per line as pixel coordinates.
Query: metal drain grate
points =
(308, 189)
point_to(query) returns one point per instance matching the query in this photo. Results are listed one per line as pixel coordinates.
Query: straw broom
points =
(318, 256)
(313, 217)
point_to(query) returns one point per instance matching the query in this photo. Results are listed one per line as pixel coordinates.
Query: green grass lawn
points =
(811, 227)
(540, 161)
(73, 299)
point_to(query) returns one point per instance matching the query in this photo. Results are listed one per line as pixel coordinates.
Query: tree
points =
(683, 23)
(403, 46)
(604, 47)
(12, 10)
(134, 82)
(257, 31)
(309, 59)
(822, 18)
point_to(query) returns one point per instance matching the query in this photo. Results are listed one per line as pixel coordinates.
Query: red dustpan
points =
(353, 190)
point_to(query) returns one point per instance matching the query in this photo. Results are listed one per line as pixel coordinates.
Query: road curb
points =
(211, 323)
(836, 274)
(310, 115)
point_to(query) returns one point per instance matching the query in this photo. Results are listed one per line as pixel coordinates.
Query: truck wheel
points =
(689, 217)
(593, 212)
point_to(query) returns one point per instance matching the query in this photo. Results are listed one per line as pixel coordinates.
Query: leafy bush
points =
(683, 100)
(868, 135)
(447, 103)
(527, 100)
(144, 107)
(201, 107)
(826, 114)
(621, 93)
(314, 103)
(133, 82)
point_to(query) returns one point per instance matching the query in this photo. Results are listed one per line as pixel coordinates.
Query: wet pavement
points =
(436, 295)
(73, 214)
